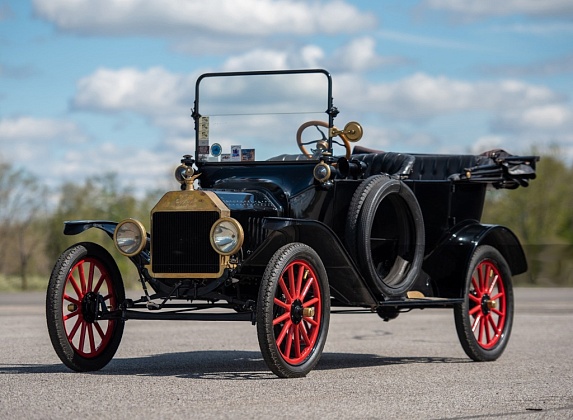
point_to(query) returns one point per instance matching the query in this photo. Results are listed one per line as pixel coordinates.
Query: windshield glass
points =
(255, 116)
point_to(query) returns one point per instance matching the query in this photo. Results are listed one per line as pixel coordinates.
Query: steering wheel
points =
(317, 124)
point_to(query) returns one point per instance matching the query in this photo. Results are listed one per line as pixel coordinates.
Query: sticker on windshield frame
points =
(216, 149)
(203, 128)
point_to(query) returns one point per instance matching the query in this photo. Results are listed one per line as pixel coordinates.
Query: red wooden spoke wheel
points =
(84, 283)
(487, 304)
(293, 311)
(87, 286)
(297, 315)
(484, 320)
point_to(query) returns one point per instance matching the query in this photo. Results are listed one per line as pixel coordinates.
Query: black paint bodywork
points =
(279, 202)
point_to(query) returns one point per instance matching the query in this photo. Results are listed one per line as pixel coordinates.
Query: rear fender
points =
(447, 264)
(346, 283)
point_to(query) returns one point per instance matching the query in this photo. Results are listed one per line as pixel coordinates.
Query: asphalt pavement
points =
(410, 368)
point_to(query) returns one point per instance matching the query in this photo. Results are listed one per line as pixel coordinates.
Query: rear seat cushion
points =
(440, 167)
(414, 166)
(398, 165)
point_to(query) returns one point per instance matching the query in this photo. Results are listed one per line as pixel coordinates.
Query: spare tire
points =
(385, 234)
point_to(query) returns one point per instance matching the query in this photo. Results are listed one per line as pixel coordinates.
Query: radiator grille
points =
(180, 242)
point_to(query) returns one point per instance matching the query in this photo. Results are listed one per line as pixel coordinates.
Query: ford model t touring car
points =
(280, 216)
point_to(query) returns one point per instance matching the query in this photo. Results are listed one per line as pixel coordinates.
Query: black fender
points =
(346, 283)
(447, 263)
(75, 227)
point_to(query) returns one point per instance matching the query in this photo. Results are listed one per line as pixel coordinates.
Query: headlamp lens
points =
(130, 237)
(226, 236)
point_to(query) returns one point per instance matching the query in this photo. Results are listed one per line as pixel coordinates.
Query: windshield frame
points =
(331, 111)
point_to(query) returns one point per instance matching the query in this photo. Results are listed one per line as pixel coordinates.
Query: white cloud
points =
(437, 114)
(312, 55)
(359, 55)
(159, 94)
(152, 92)
(421, 96)
(177, 18)
(507, 106)
(36, 131)
(33, 143)
(165, 99)
(548, 118)
(58, 150)
(138, 168)
(257, 59)
(308, 56)
(391, 138)
(486, 8)
(488, 142)
(509, 113)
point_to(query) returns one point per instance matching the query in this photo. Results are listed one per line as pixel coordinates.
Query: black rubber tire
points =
(358, 198)
(385, 234)
(84, 273)
(487, 303)
(283, 281)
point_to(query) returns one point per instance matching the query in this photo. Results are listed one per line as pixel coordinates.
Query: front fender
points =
(448, 263)
(75, 227)
(346, 283)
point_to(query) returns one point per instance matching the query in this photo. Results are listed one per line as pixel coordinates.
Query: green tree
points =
(22, 213)
(100, 198)
(540, 213)
(541, 216)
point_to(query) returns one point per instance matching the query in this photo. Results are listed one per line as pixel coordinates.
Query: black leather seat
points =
(415, 166)
(441, 167)
(397, 165)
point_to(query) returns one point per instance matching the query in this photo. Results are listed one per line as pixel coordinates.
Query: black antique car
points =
(279, 218)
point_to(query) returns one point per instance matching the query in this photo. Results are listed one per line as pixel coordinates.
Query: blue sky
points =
(89, 87)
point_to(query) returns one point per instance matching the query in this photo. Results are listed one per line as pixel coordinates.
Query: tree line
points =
(31, 223)
(31, 226)
(541, 215)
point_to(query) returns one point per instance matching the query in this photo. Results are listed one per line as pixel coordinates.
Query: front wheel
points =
(84, 280)
(484, 319)
(293, 311)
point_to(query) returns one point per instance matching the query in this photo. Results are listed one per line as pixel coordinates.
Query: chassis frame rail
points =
(182, 312)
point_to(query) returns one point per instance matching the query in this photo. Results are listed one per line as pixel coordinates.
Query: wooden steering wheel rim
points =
(307, 124)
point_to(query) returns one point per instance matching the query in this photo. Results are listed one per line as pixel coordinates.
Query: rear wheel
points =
(293, 311)
(83, 281)
(484, 319)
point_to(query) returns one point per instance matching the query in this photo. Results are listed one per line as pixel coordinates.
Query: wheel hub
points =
(89, 307)
(487, 304)
(297, 311)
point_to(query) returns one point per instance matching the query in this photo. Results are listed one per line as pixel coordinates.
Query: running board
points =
(422, 302)
(180, 315)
